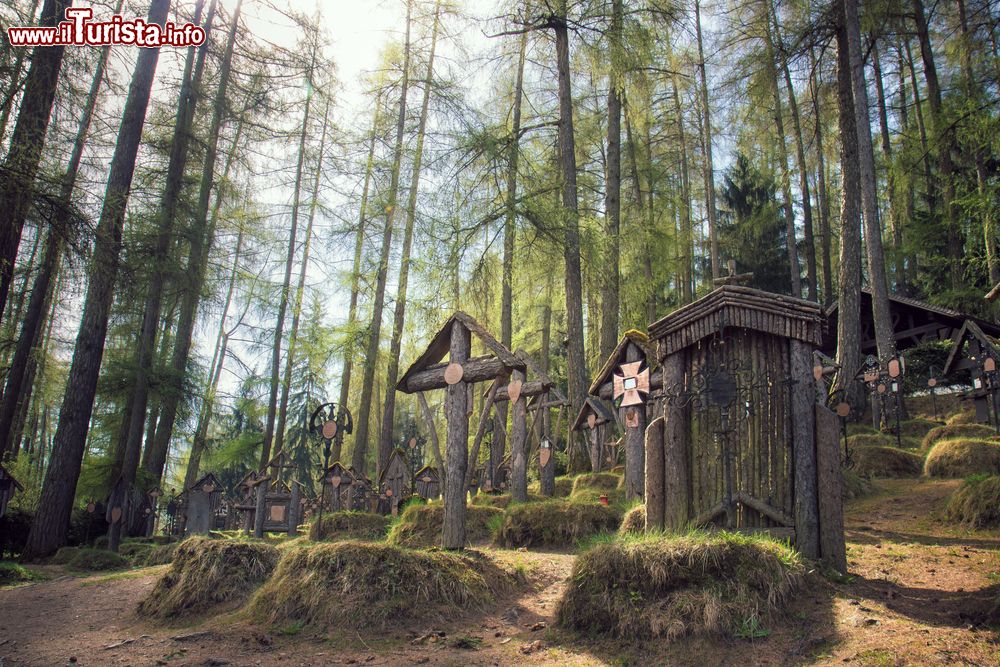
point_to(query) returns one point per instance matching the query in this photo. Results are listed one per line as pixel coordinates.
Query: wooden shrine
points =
(427, 483)
(8, 487)
(394, 482)
(591, 420)
(742, 442)
(337, 485)
(627, 379)
(457, 377)
(362, 493)
(978, 354)
(268, 503)
(202, 501)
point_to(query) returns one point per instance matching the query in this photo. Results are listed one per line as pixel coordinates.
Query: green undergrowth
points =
(420, 525)
(12, 573)
(364, 585)
(670, 586)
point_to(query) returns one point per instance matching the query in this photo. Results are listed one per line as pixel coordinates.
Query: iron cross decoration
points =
(631, 384)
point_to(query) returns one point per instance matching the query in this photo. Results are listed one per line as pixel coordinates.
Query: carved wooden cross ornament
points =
(631, 384)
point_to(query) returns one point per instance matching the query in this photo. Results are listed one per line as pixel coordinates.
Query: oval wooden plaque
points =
(412, 443)
(388, 493)
(895, 369)
(591, 420)
(453, 373)
(818, 372)
(544, 454)
(329, 429)
(335, 481)
(116, 515)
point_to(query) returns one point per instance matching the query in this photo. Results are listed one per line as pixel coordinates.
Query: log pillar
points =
(832, 549)
(258, 515)
(675, 452)
(803, 417)
(594, 442)
(456, 446)
(293, 510)
(519, 444)
(634, 419)
(653, 488)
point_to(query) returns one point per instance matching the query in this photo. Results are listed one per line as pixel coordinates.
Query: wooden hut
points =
(457, 377)
(427, 483)
(627, 379)
(742, 442)
(591, 420)
(362, 492)
(336, 494)
(202, 502)
(394, 483)
(8, 487)
(973, 351)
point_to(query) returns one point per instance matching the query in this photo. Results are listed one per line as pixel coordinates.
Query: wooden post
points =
(654, 475)
(594, 439)
(804, 446)
(519, 445)
(547, 472)
(634, 419)
(258, 515)
(831, 504)
(293, 510)
(675, 452)
(456, 445)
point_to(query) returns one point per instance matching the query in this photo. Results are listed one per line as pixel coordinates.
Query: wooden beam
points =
(803, 417)
(519, 445)
(476, 369)
(832, 549)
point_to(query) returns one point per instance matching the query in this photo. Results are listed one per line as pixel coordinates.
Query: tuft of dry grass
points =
(854, 485)
(372, 585)
(206, 573)
(89, 560)
(952, 431)
(917, 428)
(976, 503)
(420, 525)
(963, 417)
(350, 526)
(555, 523)
(885, 462)
(634, 521)
(501, 501)
(657, 586)
(963, 457)
(872, 439)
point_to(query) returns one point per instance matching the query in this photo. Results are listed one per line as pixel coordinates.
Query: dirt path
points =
(920, 593)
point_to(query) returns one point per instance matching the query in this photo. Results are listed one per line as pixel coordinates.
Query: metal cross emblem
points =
(631, 384)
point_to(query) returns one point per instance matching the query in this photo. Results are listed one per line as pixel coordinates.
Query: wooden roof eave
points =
(597, 407)
(969, 328)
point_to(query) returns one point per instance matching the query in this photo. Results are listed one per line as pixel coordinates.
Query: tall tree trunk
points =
(359, 457)
(202, 234)
(352, 309)
(687, 257)
(822, 198)
(21, 162)
(10, 96)
(293, 334)
(944, 135)
(576, 364)
(800, 156)
(48, 528)
(279, 327)
(610, 283)
(399, 311)
(884, 337)
(849, 279)
(510, 217)
(779, 124)
(167, 215)
(41, 291)
(895, 224)
(709, 167)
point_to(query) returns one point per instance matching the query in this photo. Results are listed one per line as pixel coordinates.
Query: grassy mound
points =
(88, 560)
(854, 485)
(598, 481)
(350, 526)
(209, 572)
(872, 439)
(501, 501)
(555, 523)
(161, 555)
(976, 503)
(14, 573)
(64, 555)
(952, 431)
(366, 585)
(634, 521)
(420, 525)
(669, 587)
(857, 428)
(964, 417)
(961, 458)
(917, 428)
(885, 462)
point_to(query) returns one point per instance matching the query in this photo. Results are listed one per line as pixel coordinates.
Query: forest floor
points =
(921, 592)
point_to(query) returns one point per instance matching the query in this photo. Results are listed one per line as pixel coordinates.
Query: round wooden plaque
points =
(881, 388)
(843, 409)
(329, 429)
(116, 515)
(91, 507)
(388, 493)
(932, 382)
(453, 373)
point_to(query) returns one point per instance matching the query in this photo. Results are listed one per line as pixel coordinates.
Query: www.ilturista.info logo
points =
(79, 30)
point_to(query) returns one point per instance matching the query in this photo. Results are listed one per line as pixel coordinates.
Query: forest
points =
(201, 245)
